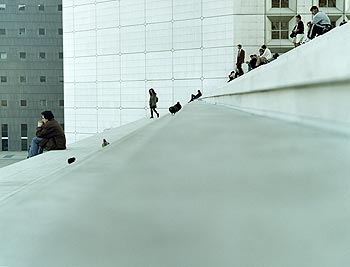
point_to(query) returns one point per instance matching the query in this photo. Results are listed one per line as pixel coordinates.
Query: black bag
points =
(292, 34)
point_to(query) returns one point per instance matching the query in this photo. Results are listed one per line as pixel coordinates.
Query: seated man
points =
(49, 135)
(320, 23)
(193, 97)
(252, 62)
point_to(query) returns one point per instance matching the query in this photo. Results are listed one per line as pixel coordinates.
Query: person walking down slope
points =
(153, 99)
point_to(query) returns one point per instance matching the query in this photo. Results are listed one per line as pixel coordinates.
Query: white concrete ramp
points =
(209, 187)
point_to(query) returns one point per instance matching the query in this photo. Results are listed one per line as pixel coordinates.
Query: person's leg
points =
(151, 112)
(34, 148)
(156, 112)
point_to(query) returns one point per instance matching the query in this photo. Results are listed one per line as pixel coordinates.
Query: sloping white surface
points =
(207, 187)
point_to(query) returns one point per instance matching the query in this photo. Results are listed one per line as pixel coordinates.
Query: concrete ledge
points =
(16, 177)
(308, 85)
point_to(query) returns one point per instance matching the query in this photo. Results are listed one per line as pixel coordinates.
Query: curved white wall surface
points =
(310, 84)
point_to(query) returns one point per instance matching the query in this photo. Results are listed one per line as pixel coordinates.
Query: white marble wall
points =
(115, 50)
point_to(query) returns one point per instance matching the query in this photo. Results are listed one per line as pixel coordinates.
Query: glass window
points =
(23, 103)
(328, 3)
(22, 55)
(5, 144)
(279, 30)
(42, 102)
(21, 7)
(43, 79)
(42, 55)
(60, 31)
(4, 130)
(280, 3)
(3, 103)
(22, 79)
(24, 144)
(41, 7)
(42, 31)
(61, 102)
(24, 130)
(60, 55)
(59, 7)
(2, 7)
(2, 31)
(3, 55)
(22, 31)
(3, 79)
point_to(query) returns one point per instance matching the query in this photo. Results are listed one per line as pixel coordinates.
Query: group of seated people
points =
(265, 56)
(319, 25)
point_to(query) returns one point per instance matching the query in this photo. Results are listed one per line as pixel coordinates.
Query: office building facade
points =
(115, 50)
(31, 68)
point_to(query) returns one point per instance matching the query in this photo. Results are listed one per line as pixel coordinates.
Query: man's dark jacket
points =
(53, 136)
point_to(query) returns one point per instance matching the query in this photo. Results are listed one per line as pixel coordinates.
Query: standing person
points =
(153, 99)
(240, 60)
(298, 31)
(320, 23)
(49, 135)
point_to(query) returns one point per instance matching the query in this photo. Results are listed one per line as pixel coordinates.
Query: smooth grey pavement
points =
(207, 187)
(10, 157)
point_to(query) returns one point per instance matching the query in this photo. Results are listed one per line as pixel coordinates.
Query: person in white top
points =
(267, 53)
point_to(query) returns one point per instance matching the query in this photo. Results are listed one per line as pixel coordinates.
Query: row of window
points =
(285, 3)
(23, 7)
(280, 29)
(24, 137)
(5, 130)
(23, 79)
(23, 55)
(24, 103)
(22, 31)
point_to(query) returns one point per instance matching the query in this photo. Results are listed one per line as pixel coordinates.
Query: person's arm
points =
(317, 18)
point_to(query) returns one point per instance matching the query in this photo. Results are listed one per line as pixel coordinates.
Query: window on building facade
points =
(3, 79)
(280, 3)
(5, 144)
(3, 103)
(59, 7)
(42, 79)
(42, 55)
(41, 7)
(23, 103)
(60, 55)
(22, 31)
(22, 79)
(4, 137)
(24, 130)
(2, 7)
(4, 130)
(328, 3)
(42, 102)
(21, 7)
(61, 102)
(3, 55)
(60, 31)
(22, 55)
(279, 30)
(2, 31)
(42, 31)
(24, 144)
